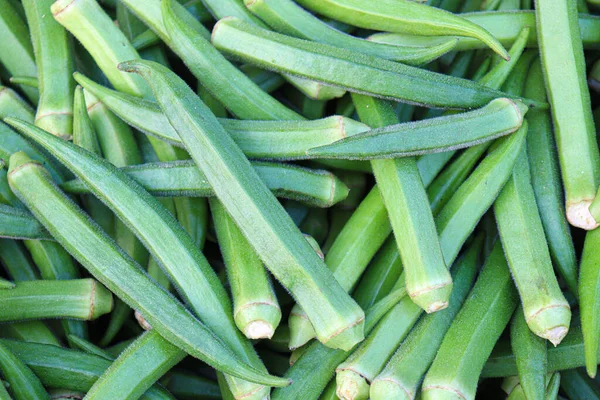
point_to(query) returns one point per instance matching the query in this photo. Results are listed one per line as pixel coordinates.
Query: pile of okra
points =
(299, 199)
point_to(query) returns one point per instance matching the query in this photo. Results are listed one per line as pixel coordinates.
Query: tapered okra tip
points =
(556, 335)
(551, 322)
(383, 389)
(351, 385)
(579, 215)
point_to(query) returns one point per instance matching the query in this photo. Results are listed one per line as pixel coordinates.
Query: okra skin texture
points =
(363, 73)
(337, 319)
(92, 248)
(589, 299)
(564, 70)
(546, 310)
(11, 104)
(255, 308)
(473, 333)
(18, 224)
(428, 281)
(402, 375)
(451, 132)
(316, 188)
(403, 16)
(547, 186)
(81, 299)
(578, 386)
(531, 357)
(24, 385)
(54, 59)
(286, 17)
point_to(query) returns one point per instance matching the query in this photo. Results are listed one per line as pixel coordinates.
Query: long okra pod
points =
(287, 17)
(403, 16)
(589, 299)
(17, 224)
(578, 386)
(11, 104)
(401, 376)
(24, 385)
(473, 333)
(82, 299)
(561, 52)
(364, 74)
(337, 319)
(54, 59)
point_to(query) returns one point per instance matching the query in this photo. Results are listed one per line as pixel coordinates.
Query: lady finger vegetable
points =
(531, 357)
(589, 279)
(23, 383)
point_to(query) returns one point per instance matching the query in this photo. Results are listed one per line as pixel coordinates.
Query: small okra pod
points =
(18, 224)
(12, 105)
(561, 52)
(363, 73)
(29, 331)
(473, 333)
(28, 81)
(530, 355)
(451, 132)
(401, 376)
(577, 386)
(83, 299)
(78, 343)
(54, 59)
(589, 299)
(92, 248)
(336, 318)
(403, 16)
(256, 311)
(16, 51)
(546, 310)
(23, 383)
(287, 17)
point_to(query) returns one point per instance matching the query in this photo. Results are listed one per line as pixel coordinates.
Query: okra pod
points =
(11, 104)
(18, 224)
(589, 299)
(24, 385)
(578, 386)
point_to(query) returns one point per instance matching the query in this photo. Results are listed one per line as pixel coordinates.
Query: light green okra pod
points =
(338, 320)
(403, 16)
(54, 59)
(83, 299)
(11, 104)
(561, 52)
(486, 312)
(24, 385)
(589, 300)
(29, 331)
(18, 224)
(91, 247)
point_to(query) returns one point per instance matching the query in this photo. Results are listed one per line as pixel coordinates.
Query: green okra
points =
(504, 25)
(82, 299)
(545, 178)
(428, 281)
(473, 333)
(83, 345)
(29, 81)
(363, 73)
(589, 300)
(568, 94)
(317, 188)
(232, 8)
(92, 247)
(29, 331)
(16, 51)
(531, 357)
(337, 319)
(402, 375)
(185, 385)
(287, 17)
(403, 16)
(577, 386)
(54, 58)
(18, 224)
(258, 139)
(268, 81)
(141, 213)
(137, 368)
(58, 367)
(17, 261)
(452, 132)
(11, 104)
(24, 385)
(546, 310)
(256, 311)
(316, 226)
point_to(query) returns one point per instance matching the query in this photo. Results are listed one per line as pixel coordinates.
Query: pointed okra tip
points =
(579, 215)
(351, 385)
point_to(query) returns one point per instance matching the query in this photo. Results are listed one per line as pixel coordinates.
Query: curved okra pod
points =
(16, 51)
(403, 16)
(451, 132)
(530, 355)
(545, 178)
(29, 331)
(473, 333)
(401, 376)
(576, 385)
(589, 299)
(92, 248)
(54, 59)
(18, 224)
(256, 311)
(24, 385)
(546, 310)
(11, 104)
(288, 18)
(270, 231)
(82, 299)
(317, 188)
(561, 52)
(428, 281)
(363, 73)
